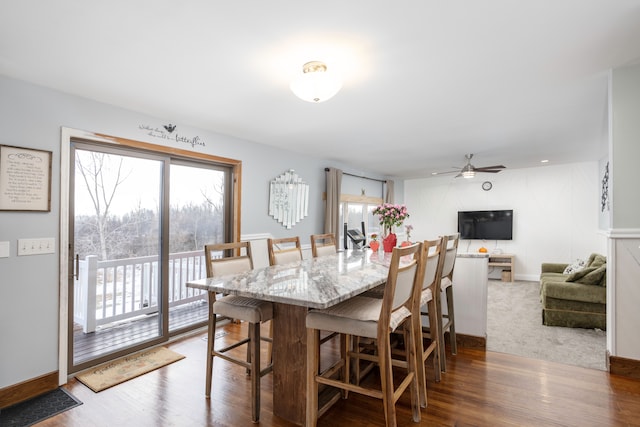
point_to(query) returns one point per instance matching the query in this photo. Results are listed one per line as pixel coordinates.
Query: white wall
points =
(555, 212)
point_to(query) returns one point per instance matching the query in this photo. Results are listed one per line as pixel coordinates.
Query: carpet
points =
(514, 326)
(118, 371)
(38, 409)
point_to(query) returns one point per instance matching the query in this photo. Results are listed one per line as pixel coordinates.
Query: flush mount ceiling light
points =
(315, 84)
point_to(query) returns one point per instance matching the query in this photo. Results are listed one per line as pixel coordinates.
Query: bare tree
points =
(102, 174)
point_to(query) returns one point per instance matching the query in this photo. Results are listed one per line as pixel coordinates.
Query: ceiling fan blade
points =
(489, 170)
(445, 172)
(486, 168)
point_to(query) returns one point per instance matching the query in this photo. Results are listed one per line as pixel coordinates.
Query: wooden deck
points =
(121, 335)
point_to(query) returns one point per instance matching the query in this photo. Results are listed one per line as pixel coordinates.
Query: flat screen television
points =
(486, 225)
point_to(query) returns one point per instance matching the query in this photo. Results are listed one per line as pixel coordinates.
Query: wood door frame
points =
(66, 137)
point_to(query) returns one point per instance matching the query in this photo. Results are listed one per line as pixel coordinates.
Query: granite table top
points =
(315, 283)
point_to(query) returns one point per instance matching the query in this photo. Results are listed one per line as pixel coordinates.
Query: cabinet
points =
(506, 262)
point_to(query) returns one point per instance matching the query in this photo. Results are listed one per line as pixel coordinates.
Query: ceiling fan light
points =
(468, 174)
(315, 84)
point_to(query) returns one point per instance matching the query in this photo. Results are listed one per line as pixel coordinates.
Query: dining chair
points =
(428, 308)
(284, 250)
(377, 319)
(323, 244)
(448, 251)
(252, 311)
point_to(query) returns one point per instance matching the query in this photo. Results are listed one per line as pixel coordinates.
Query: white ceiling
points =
(425, 81)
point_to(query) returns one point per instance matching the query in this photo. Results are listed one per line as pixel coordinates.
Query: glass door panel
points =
(115, 233)
(196, 218)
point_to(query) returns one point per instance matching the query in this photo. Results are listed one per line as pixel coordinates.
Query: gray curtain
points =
(332, 204)
(390, 196)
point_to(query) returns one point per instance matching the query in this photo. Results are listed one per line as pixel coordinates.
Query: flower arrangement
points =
(391, 215)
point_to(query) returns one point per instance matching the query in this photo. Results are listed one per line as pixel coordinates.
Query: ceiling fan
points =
(469, 171)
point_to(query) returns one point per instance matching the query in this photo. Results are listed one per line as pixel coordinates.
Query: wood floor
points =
(479, 389)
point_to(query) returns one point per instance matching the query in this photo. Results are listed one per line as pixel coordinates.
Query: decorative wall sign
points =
(166, 132)
(288, 199)
(25, 179)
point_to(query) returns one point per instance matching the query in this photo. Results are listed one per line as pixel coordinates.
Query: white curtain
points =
(390, 196)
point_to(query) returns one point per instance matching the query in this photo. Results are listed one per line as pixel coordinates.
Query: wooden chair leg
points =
(434, 336)
(270, 343)
(452, 321)
(412, 369)
(313, 366)
(420, 369)
(211, 337)
(386, 380)
(346, 343)
(440, 335)
(254, 345)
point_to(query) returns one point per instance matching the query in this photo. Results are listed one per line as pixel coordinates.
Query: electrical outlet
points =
(44, 245)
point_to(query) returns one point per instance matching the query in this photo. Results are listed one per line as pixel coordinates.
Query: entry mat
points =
(38, 409)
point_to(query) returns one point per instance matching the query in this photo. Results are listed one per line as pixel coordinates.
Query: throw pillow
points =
(575, 277)
(575, 267)
(589, 276)
(598, 261)
(596, 277)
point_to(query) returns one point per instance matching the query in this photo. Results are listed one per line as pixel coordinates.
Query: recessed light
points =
(434, 173)
(544, 161)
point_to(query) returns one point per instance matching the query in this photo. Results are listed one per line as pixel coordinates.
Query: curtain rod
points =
(384, 181)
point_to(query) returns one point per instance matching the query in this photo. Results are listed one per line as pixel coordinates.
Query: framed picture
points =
(25, 179)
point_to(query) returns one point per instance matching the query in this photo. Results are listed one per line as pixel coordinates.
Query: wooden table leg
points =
(289, 362)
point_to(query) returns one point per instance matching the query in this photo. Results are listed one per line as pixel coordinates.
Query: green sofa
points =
(575, 300)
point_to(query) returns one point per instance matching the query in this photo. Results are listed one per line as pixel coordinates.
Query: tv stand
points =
(506, 262)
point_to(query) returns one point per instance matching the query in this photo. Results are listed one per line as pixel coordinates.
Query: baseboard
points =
(27, 389)
(629, 368)
(468, 341)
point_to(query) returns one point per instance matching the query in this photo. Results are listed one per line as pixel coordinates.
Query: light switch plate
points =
(45, 245)
(4, 249)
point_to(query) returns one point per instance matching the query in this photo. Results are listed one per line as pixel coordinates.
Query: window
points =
(354, 210)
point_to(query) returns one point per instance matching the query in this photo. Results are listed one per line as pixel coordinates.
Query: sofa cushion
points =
(553, 277)
(575, 291)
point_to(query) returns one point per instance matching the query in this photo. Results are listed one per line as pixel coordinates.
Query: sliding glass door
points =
(138, 224)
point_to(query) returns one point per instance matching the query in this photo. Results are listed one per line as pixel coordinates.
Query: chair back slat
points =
(450, 249)
(284, 250)
(236, 258)
(403, 287)
(432, 262)
(323, 244)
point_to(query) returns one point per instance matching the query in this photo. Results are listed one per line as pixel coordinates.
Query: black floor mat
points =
(38, 409)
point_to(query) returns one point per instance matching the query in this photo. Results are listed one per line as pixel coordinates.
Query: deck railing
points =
(116, 290)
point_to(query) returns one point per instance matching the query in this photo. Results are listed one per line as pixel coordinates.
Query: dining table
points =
(314, 283)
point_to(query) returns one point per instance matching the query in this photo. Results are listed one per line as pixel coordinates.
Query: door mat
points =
(38, 409)
(118, 371)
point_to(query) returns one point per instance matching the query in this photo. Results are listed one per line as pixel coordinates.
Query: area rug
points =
(514, 326)
(112, 373)
(38, 409)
